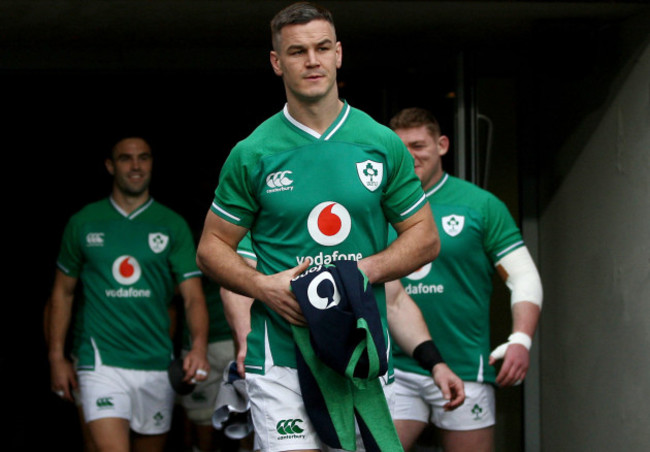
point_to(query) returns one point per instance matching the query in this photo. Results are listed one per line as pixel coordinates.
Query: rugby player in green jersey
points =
(318, 181)
(129, 253)
(478, 237)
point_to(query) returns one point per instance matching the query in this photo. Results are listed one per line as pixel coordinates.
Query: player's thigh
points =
(148, 443)
(408, 432)
(110, 434)
(89, 445)
(479, 440)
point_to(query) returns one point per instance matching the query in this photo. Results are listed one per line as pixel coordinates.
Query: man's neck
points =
(129, 203)
(318, 116)
(433, 181)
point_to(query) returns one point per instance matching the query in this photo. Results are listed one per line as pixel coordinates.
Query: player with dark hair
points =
(315, 184)
(129, 253)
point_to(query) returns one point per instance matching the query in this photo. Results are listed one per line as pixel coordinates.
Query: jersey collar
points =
(133, 214)
(336, 125)
(438, 186)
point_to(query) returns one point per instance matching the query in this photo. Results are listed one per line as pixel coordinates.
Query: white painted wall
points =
(594, 256)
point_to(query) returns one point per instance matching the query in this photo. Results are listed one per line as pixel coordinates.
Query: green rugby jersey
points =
(319, 197)
(128, 266)
(219, 330)
(453, 292)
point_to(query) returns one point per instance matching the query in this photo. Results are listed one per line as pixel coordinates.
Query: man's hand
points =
(516, 359)
(452, 387)
(196, 366)
(63, 378)
(278, 295)
(515, 365)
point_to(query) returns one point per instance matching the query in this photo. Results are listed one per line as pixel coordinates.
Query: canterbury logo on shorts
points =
(289, 426)
(104, 402)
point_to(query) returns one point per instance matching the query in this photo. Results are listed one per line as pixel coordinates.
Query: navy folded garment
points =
(340, 356)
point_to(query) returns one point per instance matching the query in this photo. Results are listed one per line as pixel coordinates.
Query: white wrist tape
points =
(523, 278)
(515, 338)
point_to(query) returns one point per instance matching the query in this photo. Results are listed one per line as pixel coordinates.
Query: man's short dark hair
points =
(113, 149)
(415, 117)
(296, 14)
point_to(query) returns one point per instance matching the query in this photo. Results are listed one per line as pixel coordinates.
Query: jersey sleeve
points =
(392, 234)
(403, 194)
(183, 254)
(234, 198)
(502, 236)
(245, 247)
(70, 259)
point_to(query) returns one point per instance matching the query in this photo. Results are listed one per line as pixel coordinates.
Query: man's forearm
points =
(196, 312)
(58, 324)
(525, 316)
(229, 270)
(405, 320)
(59, 315)
(237, 308)
(417, 244)
(237, 311)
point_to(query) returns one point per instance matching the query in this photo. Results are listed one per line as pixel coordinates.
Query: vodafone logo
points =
(329, 223)
(126, 270)
(420, 272)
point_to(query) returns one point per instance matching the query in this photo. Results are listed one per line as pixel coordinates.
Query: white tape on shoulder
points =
(523, 278)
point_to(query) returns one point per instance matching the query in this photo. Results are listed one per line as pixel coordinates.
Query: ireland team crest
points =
(370, 174)
(453, 224)
(158, 242)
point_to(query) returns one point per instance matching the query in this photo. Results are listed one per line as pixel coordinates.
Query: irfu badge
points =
(158, 242)
(453, 224)
(370, 173)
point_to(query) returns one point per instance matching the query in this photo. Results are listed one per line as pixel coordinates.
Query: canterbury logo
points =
(105, 402)
(279, 179)
(288, 426)
(95, 238)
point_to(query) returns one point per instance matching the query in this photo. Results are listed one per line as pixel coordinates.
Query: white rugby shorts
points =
(418, 398)
(279, 415)
(144, 397)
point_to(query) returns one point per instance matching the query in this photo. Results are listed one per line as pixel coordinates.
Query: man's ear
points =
(339, 54)
(110, 167)
(443, 145)
(275, 63)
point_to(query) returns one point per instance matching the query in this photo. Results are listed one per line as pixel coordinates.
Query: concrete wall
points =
(594, 255)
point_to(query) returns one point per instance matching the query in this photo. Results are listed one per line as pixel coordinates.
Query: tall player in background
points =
(129, 252)
(478, 236)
